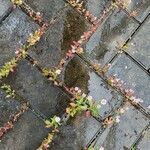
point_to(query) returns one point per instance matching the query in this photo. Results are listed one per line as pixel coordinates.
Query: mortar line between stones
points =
(136, 62)
(140, 136)
(137, 30)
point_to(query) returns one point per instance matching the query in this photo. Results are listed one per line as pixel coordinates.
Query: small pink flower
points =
(76, 88)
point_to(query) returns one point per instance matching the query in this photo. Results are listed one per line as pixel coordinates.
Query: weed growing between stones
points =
(8, 90)
(78, 5)
(17, 2)
(9, 125)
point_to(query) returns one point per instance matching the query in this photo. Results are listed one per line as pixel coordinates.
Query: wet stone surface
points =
(139, 46)
(48, 8)
(58, 39)
(96, 7)
(145, 141)
(122, 135)
(14, 31)
(141, 8)
(77, 74)
(27, 134)
(76, 134)
(5, 7)
(43, 96)
(8, 107)
(113, 33)
(134, 77)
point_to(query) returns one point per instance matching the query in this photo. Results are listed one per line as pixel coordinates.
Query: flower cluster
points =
(82, 102)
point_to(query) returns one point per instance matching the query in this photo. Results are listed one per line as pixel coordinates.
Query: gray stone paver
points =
(139, 46)
(112, 34)
(145, 141)
(13, 33)
(96, 7)
(8, 107)
(47, 8)
(48, 100)
(42, 95)
(76, 134)
(122, 135)
(141, 8)
(58, 38)
(27, 134)
(5, 6)
(78, 74)
(134, 77)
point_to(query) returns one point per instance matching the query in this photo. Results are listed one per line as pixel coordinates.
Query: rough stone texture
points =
(58, 39)
(48, 8)
(145, 141)
(77, 74)
(113, 33)
(27, 134)
(134, 77)
(139, 46)
(13, 33)
(5, 6)
(96, 7)
(140, 8)
(8, 107)
(76, 134)
(122, 135)
(42, 94)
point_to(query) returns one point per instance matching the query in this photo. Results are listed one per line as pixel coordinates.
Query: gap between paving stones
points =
(140, 136)
(126, 44)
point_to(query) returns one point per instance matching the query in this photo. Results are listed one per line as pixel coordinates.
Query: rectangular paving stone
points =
(5, 7)
(43, 96)
(139, 46)
(47, 8)
(8, 107)
(77, 74)
(58, 39)
(145, 141)
(14, 31)
(110, 35)
(76, 134)
(27, 134)
(134, 77)
(141, 8)
(96, 7)
(122, 135)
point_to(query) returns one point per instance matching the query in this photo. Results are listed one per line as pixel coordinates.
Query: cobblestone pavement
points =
(122, 39)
